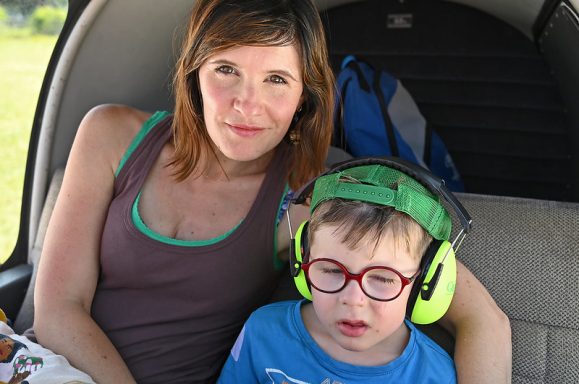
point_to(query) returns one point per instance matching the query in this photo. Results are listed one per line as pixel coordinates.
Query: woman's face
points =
(250, 95)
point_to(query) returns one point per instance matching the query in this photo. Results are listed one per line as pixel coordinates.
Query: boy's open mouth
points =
(352, 328)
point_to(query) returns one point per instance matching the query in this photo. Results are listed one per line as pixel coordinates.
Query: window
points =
(28, 33)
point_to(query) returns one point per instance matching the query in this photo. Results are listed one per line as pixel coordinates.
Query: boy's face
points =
(352, 320)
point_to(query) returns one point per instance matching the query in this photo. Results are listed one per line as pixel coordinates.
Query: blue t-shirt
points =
(275, 347)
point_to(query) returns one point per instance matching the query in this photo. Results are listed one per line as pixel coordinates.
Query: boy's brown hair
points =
(358, 222)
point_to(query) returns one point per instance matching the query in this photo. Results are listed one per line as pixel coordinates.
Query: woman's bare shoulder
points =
(116, 118)
(110, 129)
(107, 130)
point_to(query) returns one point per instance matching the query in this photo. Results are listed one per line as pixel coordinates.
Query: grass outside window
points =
(23, 61)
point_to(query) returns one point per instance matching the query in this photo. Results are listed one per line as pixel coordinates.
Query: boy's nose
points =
(352, 294)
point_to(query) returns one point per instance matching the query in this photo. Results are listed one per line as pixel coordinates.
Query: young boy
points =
(352, 331)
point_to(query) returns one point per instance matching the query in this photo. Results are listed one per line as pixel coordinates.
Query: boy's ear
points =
(433, 290)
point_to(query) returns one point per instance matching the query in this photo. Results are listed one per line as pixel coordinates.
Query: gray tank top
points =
(173, 308)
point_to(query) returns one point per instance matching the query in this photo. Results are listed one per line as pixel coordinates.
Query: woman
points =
(165, 233)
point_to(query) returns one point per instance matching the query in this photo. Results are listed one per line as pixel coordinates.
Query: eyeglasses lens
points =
(326, 276)
(382, 284)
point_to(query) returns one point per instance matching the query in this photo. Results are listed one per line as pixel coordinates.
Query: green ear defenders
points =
(418, 194)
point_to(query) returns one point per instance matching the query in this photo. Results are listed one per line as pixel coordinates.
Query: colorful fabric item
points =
(25, 362)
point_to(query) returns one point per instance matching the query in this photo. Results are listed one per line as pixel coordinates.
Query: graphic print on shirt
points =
(330, 381)
(279, 377)
(14, 369)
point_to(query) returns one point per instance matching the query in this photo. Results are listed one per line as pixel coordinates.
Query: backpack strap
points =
(385, 115)
(427, 156)
(340, 135)
(339, 130)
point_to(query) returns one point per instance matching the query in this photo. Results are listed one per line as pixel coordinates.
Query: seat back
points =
(525, 252)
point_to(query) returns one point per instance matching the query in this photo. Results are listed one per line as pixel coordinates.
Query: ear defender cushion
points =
(301, 249)
(436, 288)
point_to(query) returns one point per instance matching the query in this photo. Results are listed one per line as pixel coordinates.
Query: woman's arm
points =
(483, 350)
(69, 266)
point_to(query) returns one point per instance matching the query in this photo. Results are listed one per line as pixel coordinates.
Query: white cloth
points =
(22, 361)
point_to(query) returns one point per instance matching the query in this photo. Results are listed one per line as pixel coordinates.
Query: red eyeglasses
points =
(378, 283)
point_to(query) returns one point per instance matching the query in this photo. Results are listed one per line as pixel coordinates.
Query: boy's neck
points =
(381, 354)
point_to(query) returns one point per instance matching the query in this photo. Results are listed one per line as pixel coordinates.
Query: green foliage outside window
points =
(47, 20)
(3, 16)
(27, 37)
(25, 8)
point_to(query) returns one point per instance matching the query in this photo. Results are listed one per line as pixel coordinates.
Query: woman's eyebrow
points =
(222, 61)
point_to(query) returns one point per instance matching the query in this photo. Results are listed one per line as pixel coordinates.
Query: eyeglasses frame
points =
(358, 277)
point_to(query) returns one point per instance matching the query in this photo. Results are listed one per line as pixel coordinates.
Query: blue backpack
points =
(376, 116)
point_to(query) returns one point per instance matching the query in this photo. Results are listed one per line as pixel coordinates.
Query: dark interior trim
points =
(13, 286)
(559, 43)
(547, 10)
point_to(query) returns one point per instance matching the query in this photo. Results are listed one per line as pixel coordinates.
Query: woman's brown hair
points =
(218, 25)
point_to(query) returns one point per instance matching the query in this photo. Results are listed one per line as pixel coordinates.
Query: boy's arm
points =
(483, 350)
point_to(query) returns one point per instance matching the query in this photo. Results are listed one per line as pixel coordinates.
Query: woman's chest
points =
(201, 209)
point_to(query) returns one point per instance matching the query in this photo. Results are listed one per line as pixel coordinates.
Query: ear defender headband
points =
(418, 195)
